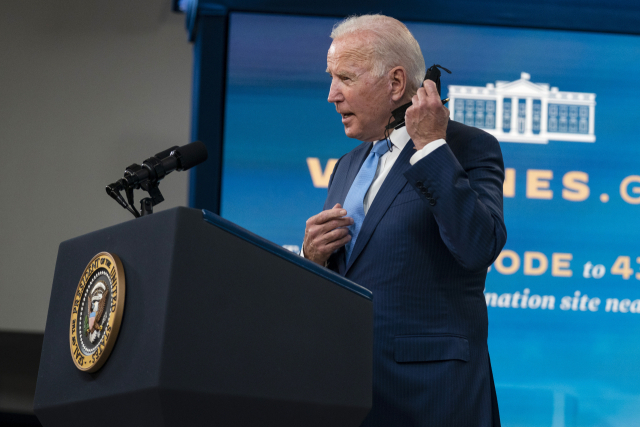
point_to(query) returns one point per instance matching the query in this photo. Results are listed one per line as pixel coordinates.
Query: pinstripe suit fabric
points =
(423, 249)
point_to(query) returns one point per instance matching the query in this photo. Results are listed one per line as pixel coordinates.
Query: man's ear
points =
(398, 80)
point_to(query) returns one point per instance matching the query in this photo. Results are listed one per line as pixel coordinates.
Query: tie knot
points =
(380, 147)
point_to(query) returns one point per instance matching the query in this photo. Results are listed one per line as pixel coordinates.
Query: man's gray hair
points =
(395, 46)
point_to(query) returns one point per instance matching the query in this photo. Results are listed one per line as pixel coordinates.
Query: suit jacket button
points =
(419, 184)
(432, 202)
(428, 195)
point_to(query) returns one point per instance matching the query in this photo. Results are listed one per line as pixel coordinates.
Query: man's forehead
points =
(351, 48)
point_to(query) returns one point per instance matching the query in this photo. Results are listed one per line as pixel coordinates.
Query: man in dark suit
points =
(418, 224)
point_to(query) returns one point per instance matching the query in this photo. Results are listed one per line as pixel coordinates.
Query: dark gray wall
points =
(86, 88)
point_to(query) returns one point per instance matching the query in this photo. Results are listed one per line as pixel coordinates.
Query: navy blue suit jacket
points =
(423, 249)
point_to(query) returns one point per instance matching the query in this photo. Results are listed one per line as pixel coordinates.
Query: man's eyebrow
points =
(343, 74)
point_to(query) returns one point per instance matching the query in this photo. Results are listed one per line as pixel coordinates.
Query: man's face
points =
(362, 100)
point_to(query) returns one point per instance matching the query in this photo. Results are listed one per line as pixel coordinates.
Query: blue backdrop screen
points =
(564, 295)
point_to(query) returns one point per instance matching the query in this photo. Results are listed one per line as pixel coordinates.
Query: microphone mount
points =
(148, 176)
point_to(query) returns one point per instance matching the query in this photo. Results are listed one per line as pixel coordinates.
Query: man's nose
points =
(334, 93)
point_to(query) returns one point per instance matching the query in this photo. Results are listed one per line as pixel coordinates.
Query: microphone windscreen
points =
(192, 154)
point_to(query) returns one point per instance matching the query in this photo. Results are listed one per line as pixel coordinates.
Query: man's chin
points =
(351, 132)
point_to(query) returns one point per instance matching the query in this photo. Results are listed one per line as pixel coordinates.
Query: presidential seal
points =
(97, 311)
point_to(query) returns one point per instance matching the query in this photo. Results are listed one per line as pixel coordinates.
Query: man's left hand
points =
(427, 118)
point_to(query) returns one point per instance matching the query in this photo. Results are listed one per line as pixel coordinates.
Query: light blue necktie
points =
(354, 203)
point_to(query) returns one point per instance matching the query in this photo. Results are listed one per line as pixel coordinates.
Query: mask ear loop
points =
(398, 121)
(387, 135)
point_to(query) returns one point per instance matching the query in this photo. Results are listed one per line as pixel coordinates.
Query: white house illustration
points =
(523, 111)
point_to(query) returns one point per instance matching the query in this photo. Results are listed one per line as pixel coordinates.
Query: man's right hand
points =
(325, 233)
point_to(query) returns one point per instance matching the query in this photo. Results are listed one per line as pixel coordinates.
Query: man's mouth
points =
(345, 116)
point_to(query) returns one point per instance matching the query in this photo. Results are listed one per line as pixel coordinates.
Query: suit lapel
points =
(360, 153)
(390, 188)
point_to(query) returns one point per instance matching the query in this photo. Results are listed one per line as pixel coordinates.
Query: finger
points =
(334, 235)
(409, 112)
(335, 223)
(430, 88)
(330, 214)
(339, 243)
(325, 216)
(327, 250)
(318, 233)
(422, 94)
(328, 243)
(345, 221)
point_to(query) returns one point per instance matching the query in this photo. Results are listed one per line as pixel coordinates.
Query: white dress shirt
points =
(399, 139)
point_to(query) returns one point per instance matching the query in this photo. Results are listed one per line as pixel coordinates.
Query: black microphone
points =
(155, 168)
(152, 171)
(190, 155)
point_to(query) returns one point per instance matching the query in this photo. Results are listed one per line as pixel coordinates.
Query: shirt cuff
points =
(426, 150)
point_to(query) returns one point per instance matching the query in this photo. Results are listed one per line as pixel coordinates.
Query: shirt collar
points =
(398, 137)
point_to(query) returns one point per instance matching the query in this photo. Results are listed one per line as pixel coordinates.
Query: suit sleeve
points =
(465, 197)
(333, 174)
